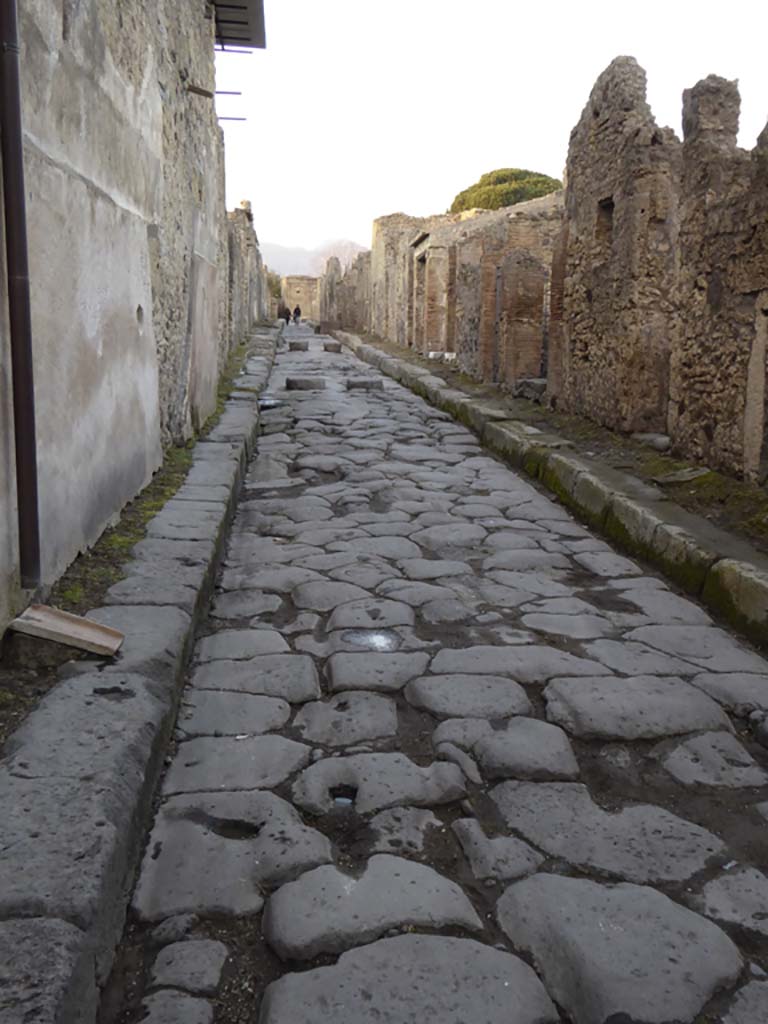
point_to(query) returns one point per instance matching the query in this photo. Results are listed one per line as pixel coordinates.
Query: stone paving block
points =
(524, 561)
(468, 696)
(142, 589)
(415, 594)
(332, 346)
(611, 953)
(402, 829)
(461, 732)
(579, 627)
(210, 854)
(225, 762)
(293, 677)
(453, 535)
(526, 749)
(449, 752)
(298, 346)
(502, 858)
(750, 1005)
(433, 568)
(365, 384)
(665, 608)
(396, 548)
(378, 781)
(322, 596)
(425, 978)
(533, 583)
(642, 707)
(707, 646)
(244, 604)
(607, 564)
(173, 929)
(327, 911)
(526, 664)
(176, 1008)
(712, 759)
(347, 718)
(222, 713)
(194, 966)
(641, 843)
(46, 973)
(279, 579)
(737, 691)
(371, 613)
(383, 672)
(240, 644)
(740, 898)
(636, 659)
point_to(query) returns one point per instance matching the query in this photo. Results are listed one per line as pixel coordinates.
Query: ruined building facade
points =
(303, 292)
(140, 282)
(662, 273)
(641, 293)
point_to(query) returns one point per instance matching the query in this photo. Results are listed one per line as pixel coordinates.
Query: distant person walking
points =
(297, 314)
(286, 315)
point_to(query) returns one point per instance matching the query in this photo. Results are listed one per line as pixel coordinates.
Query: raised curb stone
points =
(326, 911)
(609, 953)
(425, 978)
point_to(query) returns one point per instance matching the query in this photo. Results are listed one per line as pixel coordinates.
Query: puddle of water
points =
(268, 402)
(343, 796)
(372, 639)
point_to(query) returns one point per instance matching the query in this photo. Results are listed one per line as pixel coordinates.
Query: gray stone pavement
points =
(444, 756)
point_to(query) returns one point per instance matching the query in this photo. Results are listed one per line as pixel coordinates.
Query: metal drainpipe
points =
(18, 297)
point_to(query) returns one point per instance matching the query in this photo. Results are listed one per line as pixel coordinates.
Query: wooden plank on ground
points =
(48, 623)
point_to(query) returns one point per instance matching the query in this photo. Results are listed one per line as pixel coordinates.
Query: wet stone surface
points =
(432, 725)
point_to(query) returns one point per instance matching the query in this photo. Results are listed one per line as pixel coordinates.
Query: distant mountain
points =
(288, 261)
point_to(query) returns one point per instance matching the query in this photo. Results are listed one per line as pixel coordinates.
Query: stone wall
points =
(129, 258)
(717, 408)
(354, 294)
(248, 295)
(303, 292)
(329, 294)
(660, 284)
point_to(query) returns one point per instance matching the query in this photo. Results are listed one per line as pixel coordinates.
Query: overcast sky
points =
(359, 108)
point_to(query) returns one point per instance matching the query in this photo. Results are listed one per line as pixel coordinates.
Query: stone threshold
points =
(724, 572)
(78, 777)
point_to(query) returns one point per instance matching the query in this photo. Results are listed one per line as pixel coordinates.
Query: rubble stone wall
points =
(354, 294)
(329, 294)
(717, 401)
(248, 296)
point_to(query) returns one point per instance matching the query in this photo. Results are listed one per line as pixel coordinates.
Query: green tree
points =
(274, 284)
(504, 187)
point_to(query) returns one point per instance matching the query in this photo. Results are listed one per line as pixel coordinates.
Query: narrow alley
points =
(444, 756)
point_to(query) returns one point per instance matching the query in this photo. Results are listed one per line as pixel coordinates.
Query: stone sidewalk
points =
(445, 756)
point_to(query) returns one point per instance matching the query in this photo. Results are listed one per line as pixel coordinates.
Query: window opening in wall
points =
(604, 223)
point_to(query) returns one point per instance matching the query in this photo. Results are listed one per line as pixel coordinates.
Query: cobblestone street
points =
(444, 756)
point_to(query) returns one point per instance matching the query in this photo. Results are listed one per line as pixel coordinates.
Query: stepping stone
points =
(526, 664)
(348, 718)
(298, 346)
(371, 613)
(526, 749)
(238, 644)
(219, 713)
(739, 898)
(194, 966)
(644, 707)
(641, 843)
(176, 1008)
(377, 781)
(737, 691)
(713, 759)
(332, 346)
(209, 853)
(293, 677)
(467, 696)
(402, 829)
(323, 596)
(386, 673)
(224, 762)
(750, 1005)
(304, 383)
(609, 953)
(502, 858)
(364, 384)
(327, 911)
(425, 978)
